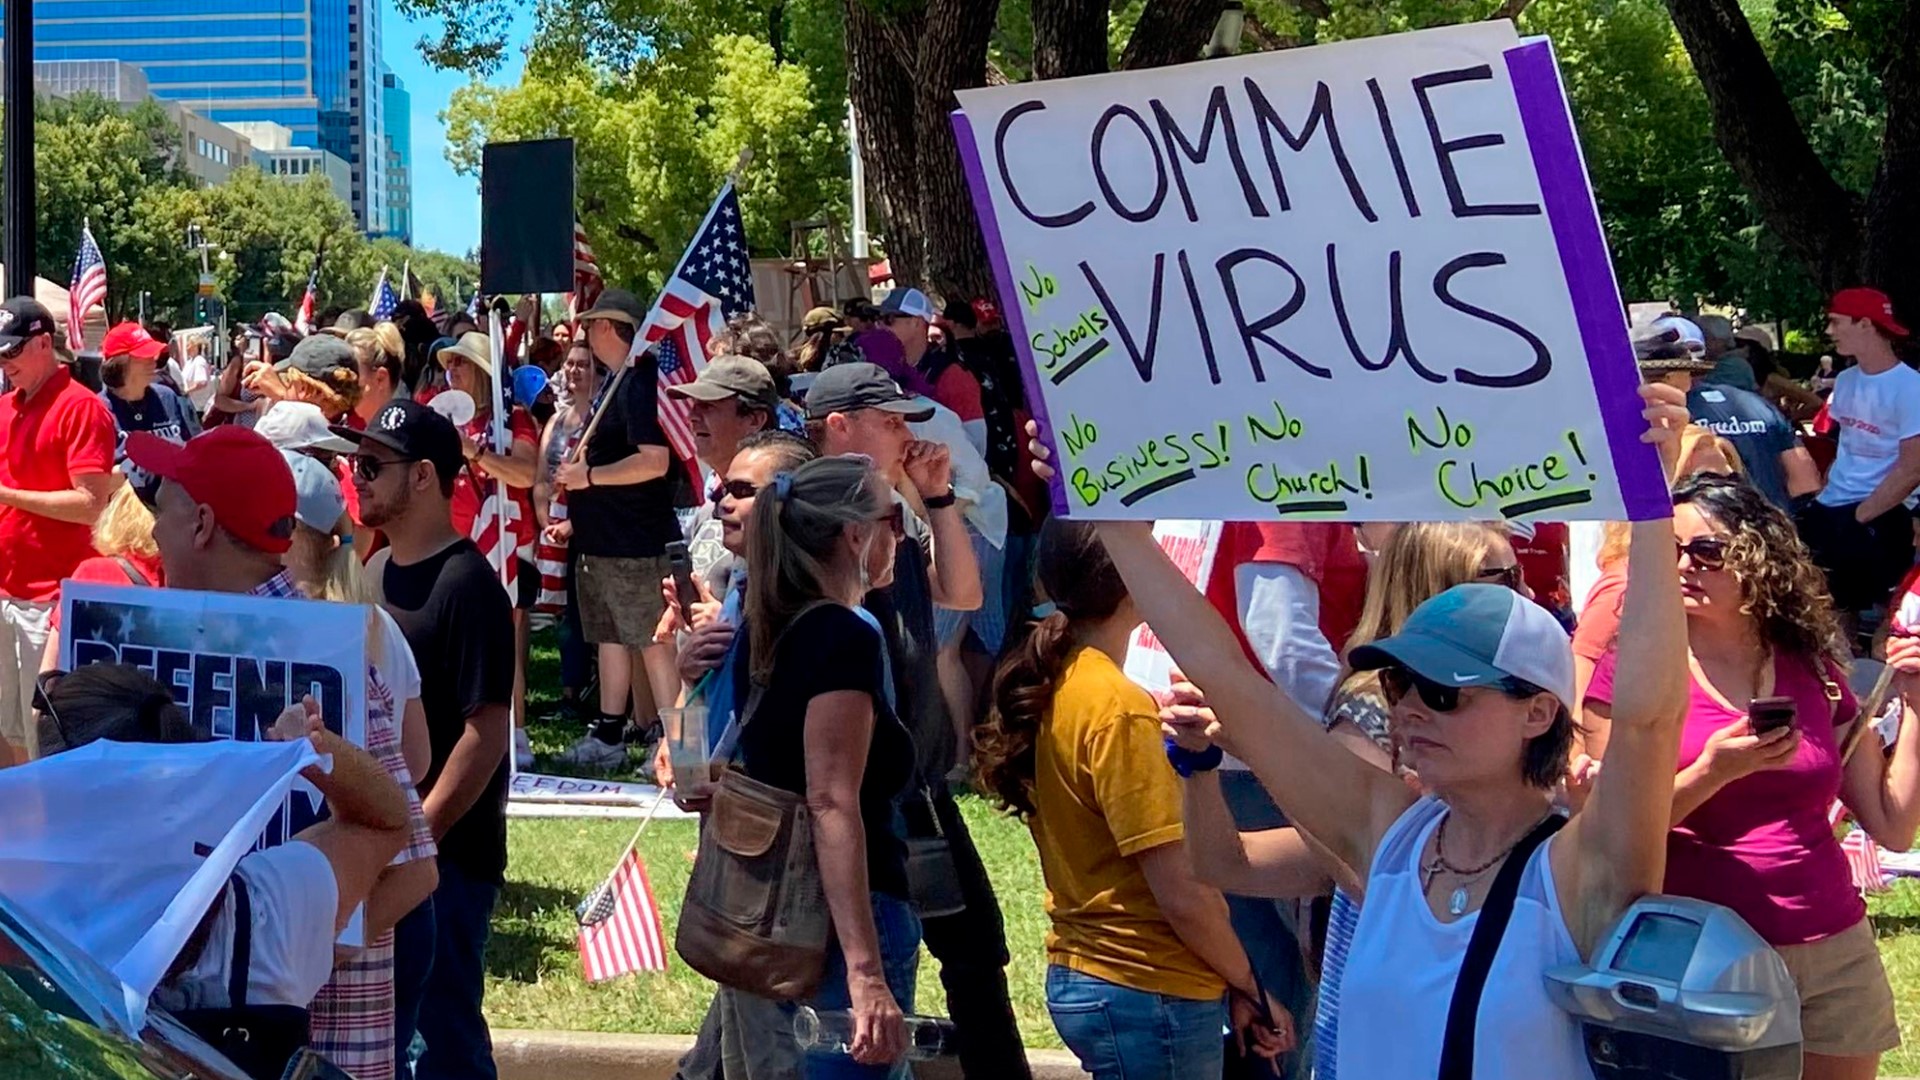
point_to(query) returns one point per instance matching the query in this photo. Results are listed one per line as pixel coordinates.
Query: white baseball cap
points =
(300, 425)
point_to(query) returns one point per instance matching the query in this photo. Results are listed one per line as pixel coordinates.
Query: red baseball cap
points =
(131, 339)
(1869, 304)
(233, 471)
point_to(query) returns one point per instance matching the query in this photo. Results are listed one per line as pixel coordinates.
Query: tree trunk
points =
(1754, 124)
(1069, 38)
(1170, 32)
(1893, 204)
(880, 83)
(953, 56)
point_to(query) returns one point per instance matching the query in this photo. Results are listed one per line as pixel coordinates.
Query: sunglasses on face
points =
(738, 490)
(1398, 682)
(1707, 552)
(1508, 576)
(895, 518)
(368, 469)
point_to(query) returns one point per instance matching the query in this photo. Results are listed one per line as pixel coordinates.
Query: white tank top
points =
(1404, 961)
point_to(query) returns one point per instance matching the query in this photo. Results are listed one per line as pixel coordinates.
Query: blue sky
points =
(446, 207)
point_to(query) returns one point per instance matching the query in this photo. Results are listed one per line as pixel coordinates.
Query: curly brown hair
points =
(1781, 589)
(1076, 574)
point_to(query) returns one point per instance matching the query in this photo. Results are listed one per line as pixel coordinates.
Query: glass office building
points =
(303, 64)
(398, 122)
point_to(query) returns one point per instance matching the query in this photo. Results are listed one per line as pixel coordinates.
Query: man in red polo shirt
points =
(56, 472)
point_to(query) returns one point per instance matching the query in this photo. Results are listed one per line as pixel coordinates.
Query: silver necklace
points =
(1457, 900)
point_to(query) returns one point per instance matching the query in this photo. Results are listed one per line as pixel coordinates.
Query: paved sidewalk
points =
(585, 1055)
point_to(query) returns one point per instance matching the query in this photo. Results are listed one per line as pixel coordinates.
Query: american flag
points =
(620, 929)
(87, 289)
(587, 282)
(303, 321)
(713, 282)
(473, 305)
(384, 299)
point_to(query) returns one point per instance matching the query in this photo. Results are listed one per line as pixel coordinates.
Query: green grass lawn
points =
(533, 966)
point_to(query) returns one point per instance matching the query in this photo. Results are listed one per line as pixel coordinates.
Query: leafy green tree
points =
(653, 144)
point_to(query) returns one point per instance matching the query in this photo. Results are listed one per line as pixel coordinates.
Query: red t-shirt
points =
(106, 570)
(1326, 552)
(467, 501)
(1543, 563)
(64, 431)
(957, 389)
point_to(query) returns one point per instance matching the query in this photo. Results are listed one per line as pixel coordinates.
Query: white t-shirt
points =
(295, 900)
(982, 502)
(1872, 413)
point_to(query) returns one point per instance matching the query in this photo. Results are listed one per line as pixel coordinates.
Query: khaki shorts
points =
(619, 599)
(1846, 1004)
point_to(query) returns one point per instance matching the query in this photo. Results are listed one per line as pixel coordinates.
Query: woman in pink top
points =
(1750, 810)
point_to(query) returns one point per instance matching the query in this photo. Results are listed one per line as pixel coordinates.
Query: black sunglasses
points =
(1707, 552)
(369, 468)
(738, 489)
(895, 517)
(1509, 576)
(1396, 682)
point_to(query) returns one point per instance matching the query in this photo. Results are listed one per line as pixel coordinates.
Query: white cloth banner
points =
(120, 848)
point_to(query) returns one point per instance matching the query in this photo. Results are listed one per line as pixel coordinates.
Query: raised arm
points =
(1884, 791)
(1615, 850)
(1344, 802)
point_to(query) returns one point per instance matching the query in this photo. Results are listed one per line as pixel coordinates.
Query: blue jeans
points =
(413, 945)
(459, 1046)
(1267, 929)
(755, 1034)
(1123, 1034)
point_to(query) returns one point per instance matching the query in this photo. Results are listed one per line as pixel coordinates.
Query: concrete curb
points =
(589, 1055)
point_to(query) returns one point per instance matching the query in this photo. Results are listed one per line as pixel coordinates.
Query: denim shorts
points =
(1124, 1034)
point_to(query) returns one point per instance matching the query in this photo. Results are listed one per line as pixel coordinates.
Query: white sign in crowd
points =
(1361, 281)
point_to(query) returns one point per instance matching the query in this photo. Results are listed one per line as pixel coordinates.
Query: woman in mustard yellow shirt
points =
(1144, 972)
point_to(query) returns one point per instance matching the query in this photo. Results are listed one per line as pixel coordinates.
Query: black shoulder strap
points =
(242, 944)
(134, 576)
(756, 692)
(1456, 1049)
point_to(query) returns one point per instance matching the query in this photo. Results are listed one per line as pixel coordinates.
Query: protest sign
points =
(1360, 281)
(233, 663)
(1192, 546)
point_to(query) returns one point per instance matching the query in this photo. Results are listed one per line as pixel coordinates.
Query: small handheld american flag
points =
(620, 928)
(587, 282)
(713, 282)
(87, 289)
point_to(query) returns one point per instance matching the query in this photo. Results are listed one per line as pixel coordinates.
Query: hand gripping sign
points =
(1360, 281)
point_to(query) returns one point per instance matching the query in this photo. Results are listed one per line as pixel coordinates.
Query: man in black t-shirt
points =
(441, 590)
(620, 503)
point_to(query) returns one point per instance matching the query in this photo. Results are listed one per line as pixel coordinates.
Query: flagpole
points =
(639, 346)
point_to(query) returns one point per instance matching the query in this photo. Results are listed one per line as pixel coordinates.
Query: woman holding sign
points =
(1480, 680)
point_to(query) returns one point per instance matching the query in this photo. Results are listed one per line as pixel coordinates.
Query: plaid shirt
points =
(352, 1016)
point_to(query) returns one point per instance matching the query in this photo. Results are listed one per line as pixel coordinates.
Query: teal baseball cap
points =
(1477, 635)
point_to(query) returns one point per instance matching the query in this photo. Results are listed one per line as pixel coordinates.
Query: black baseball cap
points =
(21, 319)
(847, 388)
(618, 305)
(412, 430)
(317, 356)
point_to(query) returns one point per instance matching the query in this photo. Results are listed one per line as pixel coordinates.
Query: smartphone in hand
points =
(1771, 714)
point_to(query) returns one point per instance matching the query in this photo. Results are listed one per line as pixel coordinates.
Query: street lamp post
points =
(17, 58)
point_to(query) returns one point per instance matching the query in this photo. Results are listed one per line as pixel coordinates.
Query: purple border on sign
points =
(1009, 298)
(1583, 256)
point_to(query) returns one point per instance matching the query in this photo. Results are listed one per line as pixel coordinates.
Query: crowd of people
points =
(1273, 869)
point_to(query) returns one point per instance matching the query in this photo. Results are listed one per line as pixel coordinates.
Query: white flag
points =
(120, 848)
